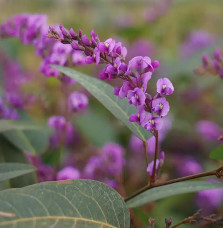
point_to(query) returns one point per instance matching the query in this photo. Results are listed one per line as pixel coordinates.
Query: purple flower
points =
(152, 123)
(123, 91)
(187, 166)
(111, 70)
(210, 199)
(164, 86)
(77, 101)
(112, 155)
(160, 106)
(208, 129)
(150, 167)
(78, 58)
(94, 168)
(138, 117)
(68, 172)
(136, 97)
(57, 122)
(141, 64)
(95, 58)
(107, 46)
(196, 41)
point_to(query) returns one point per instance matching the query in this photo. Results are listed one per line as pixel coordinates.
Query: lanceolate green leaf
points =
(170, 190)
(104, 93)
(26, 136)
(12, 170)
(71, 203)
(217, 153)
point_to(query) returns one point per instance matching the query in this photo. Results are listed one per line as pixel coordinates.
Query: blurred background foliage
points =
(195, 98)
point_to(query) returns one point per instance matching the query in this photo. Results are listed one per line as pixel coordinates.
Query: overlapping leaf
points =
(12, 170)
(71, 203)
(104, 93)
(170, 190)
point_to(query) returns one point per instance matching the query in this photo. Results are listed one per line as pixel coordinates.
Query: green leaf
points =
(71, 203)
(94, 124)
(12, 170)
(26, 136)
(11, 153)
(170, 190)
(102, 91)
(217, 153)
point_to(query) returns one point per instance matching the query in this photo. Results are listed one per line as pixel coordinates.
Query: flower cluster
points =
(107, 165)
(13, 79)
(211, 65)
(136, 74)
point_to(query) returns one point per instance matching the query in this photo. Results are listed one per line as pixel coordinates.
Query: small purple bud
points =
(75, 46)
(150, 167)
(73, 34)
(205, 60)
(217, 54)
(63, 30)
(80, 33)
(155, 64)
(85, 40)
(162, 158)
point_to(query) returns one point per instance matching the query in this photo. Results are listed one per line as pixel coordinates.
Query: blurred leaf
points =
(217, 153)
(170, 190)
(97, 128)
(26, 136)
(12, 170)
(120, 108)
(11, 153)
(71, 203)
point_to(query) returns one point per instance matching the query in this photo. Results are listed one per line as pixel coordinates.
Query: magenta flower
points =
(57, 122)
(68, 172)
(78, 58)
(160, 106)
(107, 46)
(95, 58)
(123, 91)
(141, 64)
(112, 156)
(138, 117)
(164, 86)
(150, 167)
(77, 101)
(152, 123)
(208, 129)
(136, 97)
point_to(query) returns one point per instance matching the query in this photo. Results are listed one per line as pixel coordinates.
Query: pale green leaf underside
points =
(71, 203)
(12, 170)
(170, 190)
(103, 92)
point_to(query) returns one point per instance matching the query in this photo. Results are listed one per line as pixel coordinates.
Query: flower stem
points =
(146, 154)
(153, 177)
(218, 173)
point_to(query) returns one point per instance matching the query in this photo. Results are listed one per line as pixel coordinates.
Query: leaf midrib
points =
(56, 218)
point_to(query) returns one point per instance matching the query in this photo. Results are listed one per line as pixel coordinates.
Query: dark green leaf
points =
(170, 190)
(217, 153)
(12, 170)
(71, 203)
(11, 153)
(97, 128)
(120, 108)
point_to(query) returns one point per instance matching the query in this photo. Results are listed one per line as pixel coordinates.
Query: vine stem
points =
(153, 177)
(218, 173)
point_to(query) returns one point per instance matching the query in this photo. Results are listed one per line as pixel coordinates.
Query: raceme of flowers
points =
(135, 74)
(211, 65)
